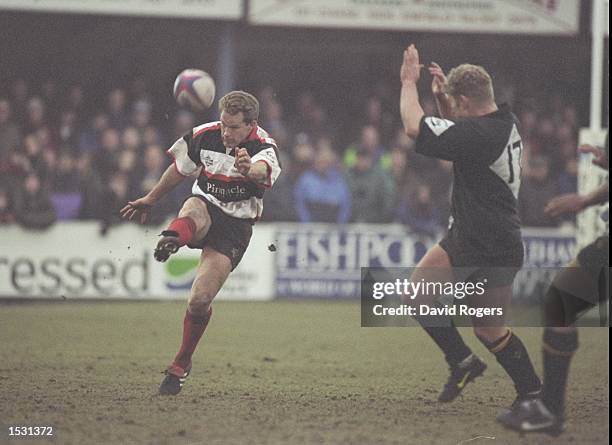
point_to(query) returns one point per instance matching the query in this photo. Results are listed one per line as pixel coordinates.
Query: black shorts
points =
(564, 308)
(227, 235)
(596, 256)
(473, 265)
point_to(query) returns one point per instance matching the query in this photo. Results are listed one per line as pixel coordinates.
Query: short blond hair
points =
(235, 102)
(471, 81)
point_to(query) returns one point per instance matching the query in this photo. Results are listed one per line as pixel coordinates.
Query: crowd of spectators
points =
(67, 156)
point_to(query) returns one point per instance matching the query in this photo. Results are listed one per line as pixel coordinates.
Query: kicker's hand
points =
(242, 161)
(141, 208)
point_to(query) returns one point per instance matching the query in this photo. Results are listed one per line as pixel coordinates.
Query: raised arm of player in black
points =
(438, 85)
(410, 108)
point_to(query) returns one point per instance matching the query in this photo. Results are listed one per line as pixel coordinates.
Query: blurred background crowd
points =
(85, 128)
(66, 154)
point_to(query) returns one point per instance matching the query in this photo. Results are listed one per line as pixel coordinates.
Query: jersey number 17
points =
(515, 152)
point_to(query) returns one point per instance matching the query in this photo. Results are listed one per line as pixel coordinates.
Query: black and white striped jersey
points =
(486, 153)
(201, 152)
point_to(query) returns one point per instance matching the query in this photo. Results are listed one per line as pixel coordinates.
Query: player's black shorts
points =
(563, 307)
(473, 265)
(227, 235)
(595, 256)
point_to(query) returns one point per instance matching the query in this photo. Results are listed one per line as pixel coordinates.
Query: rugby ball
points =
(194, 89)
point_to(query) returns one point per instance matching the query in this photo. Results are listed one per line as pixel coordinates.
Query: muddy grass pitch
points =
(265, 373)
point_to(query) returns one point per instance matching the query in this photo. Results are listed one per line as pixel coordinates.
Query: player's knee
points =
(193, 208)
(199, 305)
(200, 299)
(194, 214)
(490, 334)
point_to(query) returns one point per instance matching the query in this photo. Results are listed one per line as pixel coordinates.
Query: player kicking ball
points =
(233, 162)
(484, 238)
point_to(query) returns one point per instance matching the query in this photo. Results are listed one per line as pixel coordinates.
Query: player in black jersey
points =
(232, 161)
(484, 239)
(579, 287)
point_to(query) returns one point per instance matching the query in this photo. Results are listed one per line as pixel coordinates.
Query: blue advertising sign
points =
(324, 261)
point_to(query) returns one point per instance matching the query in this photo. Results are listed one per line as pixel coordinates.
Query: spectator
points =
(141, 120)
(66, 176)
(92, 187)
(151, 136)
(154, 166)
(399, 166)
(311, 118)
(129, 165)
(418, 211)
(274, 123)
(115, 106)
(66, 193)
(33, 151)
(369, 142)
(75, 102)
(546, 137)
(67, 130)
(529, 123)
(131, 140)
(7, 214)
(33, 208)
(303, 157)
(49, 92)
(184, 121)
(105, 159)
(371, 190)
(114, 195)
(303, 113)
(14, 168)
(10, 136)
(376, 116)
(321, 194)
(36, 115)
(141, 115)
(90, 139)
(278, 201)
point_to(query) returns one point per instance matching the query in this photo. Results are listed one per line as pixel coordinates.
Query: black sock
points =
(511, 354)
(558, 348)
(444, 333)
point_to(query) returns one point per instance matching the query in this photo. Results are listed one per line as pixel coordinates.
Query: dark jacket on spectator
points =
(371, 193)
(34, 211)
